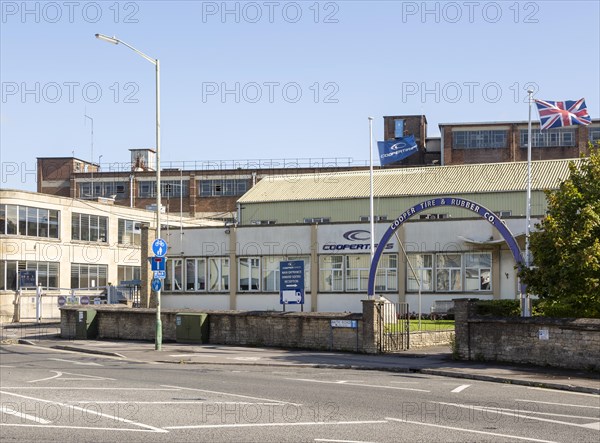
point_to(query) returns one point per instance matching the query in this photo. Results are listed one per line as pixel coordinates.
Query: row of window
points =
(450, 272)
(456, 272)
(169, 188)
(563, 137)
(29, 221)
(47, 273)
(337, 273)
(82, 275)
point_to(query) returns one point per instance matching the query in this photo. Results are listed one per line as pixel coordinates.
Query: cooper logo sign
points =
(358, 237)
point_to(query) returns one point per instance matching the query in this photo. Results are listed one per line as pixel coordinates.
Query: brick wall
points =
(566, 343)
(305, 330)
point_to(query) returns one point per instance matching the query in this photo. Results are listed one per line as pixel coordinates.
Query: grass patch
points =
(426, 325)
(431, 325)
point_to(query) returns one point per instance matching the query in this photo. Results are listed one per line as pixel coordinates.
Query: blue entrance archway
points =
(485, 213)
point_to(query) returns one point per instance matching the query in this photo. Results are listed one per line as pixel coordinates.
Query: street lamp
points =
(156, 63)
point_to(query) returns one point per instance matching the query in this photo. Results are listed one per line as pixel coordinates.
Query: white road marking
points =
(59, 375)
(460, 388)
(516, 437)
(91, 388)
(193, 355)
(519, 413)
(87, 428)
(232, 395)
(259, 425)
(358, 384)
(558, 404)
(554, 391)
(6, 366)
(244, 358)
(9, 411)
(594, 426)
(340, 441)
(405, 382)
(182, 402)
(87, 411)
(83, 363)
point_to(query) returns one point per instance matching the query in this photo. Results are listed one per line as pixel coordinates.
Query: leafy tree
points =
(566, 247)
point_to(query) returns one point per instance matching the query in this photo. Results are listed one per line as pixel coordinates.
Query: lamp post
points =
(156, 63)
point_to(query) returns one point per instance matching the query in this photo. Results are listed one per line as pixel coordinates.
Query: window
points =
(350, 273)
(449, 272)
(357, 272)
(214, 188)
(594, 134)
(192, 274)
(87, 227)
(130, 232)
(169, 188)
(28, 221)
(128, 273)
(479, 139)
(90, 190)
(331, 273)
(47, 273)
(420, 270)
(195, 274)
(249, 274)
(453, 272)
(270, 272)
(218, 274)
(557, 137)
(478, 271)
(88, 276)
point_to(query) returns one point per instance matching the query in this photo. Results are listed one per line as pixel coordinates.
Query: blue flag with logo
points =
(395, 150)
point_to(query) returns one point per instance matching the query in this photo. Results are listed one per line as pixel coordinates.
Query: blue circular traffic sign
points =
(156, 284)
(159, 247)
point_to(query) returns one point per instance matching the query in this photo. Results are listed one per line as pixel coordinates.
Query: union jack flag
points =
(559, 114)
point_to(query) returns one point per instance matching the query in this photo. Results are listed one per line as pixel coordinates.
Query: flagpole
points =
(524, 299)
(371, 206)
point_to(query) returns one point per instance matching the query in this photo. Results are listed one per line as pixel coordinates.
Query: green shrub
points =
(499, 308)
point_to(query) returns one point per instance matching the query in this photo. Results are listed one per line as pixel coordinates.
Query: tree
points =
(566, 246)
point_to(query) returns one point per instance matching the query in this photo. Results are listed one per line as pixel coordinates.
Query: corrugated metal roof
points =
(433, 180)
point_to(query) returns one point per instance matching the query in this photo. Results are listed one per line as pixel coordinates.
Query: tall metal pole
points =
(158, 344)
(371, 206)
(156, 63)
(524, 298)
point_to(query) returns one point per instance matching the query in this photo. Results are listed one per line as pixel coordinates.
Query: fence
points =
(393, 326)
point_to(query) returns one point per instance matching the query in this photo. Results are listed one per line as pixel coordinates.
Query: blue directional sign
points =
(159, 247)
(291, 282)
(156, 284)
(158, 263)
(160, 274)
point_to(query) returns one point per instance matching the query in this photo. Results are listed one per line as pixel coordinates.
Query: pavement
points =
(436, 360)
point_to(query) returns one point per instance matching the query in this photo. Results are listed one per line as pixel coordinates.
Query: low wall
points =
(310, 330)
(565, 343)
(426, 339)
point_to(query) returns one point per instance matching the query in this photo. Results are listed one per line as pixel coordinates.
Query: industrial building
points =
(443, 253)
(211, 189)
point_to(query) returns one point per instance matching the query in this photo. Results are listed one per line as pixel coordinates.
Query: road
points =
(52, 395)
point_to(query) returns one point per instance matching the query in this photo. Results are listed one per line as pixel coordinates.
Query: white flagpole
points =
(371, 206)
(524, 299)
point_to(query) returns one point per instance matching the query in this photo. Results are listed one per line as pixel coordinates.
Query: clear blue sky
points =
(452, 61)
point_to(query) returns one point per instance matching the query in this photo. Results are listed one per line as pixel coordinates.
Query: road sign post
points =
(291, 283)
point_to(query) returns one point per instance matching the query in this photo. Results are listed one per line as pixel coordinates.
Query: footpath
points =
(431, 360)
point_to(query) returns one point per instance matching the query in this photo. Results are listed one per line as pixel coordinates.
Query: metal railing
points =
(246, 164)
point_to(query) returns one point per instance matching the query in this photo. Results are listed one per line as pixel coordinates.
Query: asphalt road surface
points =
(51, 395)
